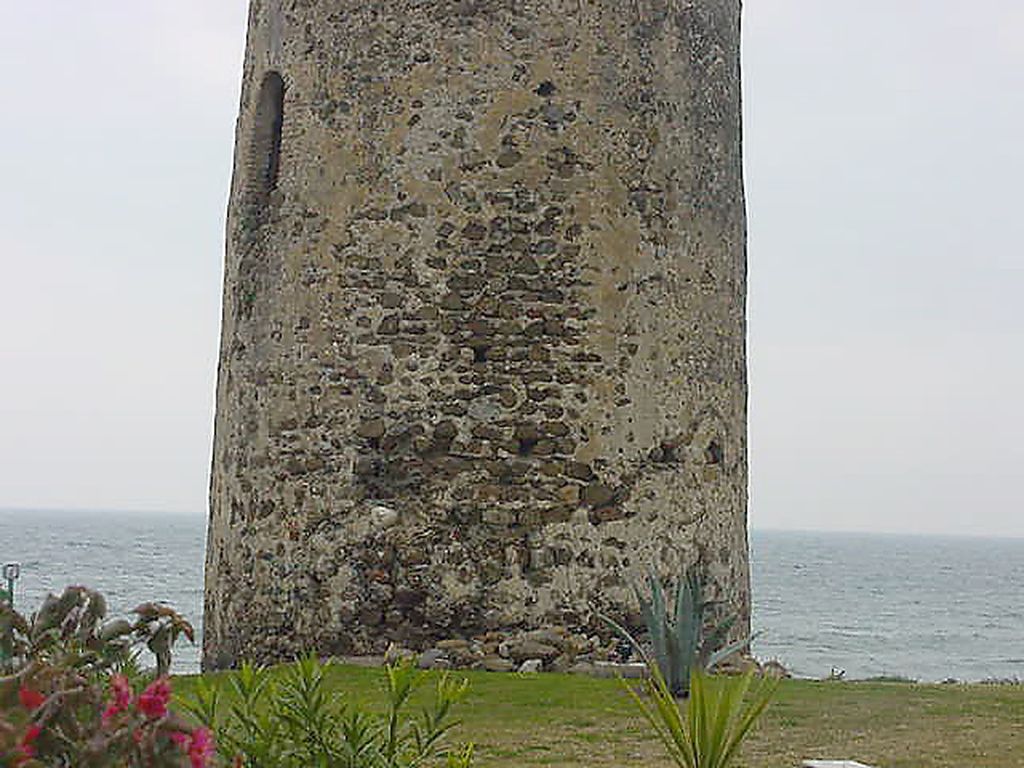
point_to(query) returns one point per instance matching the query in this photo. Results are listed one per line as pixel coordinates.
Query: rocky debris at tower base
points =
(557, 649)
(549, 650)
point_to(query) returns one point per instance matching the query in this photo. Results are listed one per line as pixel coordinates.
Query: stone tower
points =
(483, 352)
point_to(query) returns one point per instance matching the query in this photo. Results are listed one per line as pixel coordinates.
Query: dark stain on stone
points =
(508, 158)
(714, 453)
(373, 429)
(597, 494)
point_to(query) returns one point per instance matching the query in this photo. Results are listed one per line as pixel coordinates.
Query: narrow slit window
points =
(265, 159)
(260, 180)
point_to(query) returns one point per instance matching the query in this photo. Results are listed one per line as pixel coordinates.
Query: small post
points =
(11, 573)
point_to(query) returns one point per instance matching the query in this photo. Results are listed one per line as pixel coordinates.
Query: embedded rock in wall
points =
(482, 353)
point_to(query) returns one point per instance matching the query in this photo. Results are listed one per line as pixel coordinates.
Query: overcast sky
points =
(884, 164)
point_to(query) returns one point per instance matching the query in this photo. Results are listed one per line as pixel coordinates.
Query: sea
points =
(824, 604)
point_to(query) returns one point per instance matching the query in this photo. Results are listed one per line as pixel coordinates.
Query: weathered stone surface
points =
(629, 671)
(561, 664)
(485, 270)
(530, 649)
(497, 664)
(560, 640)
(396, 653)
(432, 658)
(598, 495)
(582, 668)
(452, 644)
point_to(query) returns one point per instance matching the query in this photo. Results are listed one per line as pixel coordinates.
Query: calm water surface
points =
(923, 607)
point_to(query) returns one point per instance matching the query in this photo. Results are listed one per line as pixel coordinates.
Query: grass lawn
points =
(565, 720)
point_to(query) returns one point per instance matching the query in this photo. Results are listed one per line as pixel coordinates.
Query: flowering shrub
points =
(82, 724)
(63, 702)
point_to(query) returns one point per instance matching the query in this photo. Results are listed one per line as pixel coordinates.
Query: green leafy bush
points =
(291, 719)
(71, 631)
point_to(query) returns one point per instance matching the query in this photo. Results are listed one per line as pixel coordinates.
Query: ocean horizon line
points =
(754, 529)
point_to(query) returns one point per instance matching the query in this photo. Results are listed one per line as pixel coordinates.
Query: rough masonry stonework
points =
(483, 345)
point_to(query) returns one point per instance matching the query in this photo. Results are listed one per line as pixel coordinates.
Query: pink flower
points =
(198, 744)
(27, 743)
(201, 748)
(180, 738)
(122, 691)
(30, 699)
(153, 701)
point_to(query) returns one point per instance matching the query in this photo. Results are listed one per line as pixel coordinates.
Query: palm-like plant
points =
(69, 631)
(719, 715)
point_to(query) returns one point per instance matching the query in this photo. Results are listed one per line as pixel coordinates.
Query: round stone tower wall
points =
(482, 355)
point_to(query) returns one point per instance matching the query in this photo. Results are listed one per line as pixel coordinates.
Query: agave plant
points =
(680, 640)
